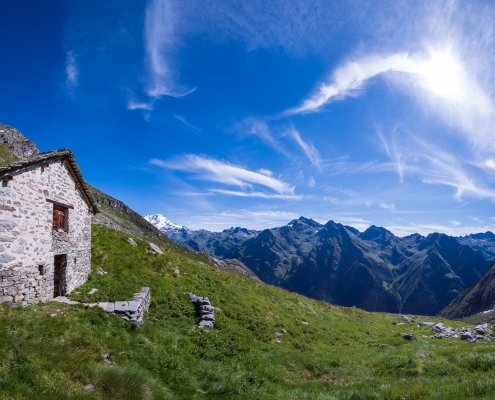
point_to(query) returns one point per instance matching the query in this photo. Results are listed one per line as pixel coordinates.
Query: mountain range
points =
(373, 270)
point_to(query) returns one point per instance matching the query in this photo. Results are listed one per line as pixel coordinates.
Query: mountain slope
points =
(480, 297)
(14, 145)
(267, 343)
(373, 270)
(484, 243)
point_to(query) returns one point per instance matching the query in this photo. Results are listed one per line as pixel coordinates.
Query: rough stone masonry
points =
(38, 262)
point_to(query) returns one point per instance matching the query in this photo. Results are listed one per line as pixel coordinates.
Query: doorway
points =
(59, 284)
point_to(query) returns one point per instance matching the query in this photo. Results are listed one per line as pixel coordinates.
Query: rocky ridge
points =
(17, 143)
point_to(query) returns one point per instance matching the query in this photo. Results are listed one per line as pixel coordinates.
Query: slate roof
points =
(50, 156)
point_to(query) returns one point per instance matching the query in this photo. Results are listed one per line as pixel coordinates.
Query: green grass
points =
(328, 352)
(6, 155)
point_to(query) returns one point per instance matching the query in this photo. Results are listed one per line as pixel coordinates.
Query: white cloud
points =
(160, 45)
(71, 71)
(250, 219)
(225, 173)
(133, 105)
(307, 148)
(185, 122)
(426, 229)
(160, 40)
(261, 195)
(259, 128)
(341, 165)
(392, 150)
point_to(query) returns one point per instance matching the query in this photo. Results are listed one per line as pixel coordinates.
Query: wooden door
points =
(60, 264)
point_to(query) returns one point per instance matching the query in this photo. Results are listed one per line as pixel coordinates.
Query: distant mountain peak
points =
(305, 221)
(162, 222)
(376, 232)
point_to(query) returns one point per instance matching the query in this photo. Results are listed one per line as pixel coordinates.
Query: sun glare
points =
(442, 74)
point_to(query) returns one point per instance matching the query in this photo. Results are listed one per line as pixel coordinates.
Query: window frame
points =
(58, 210)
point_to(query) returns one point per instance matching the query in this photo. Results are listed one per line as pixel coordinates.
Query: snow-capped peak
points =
(162, 222)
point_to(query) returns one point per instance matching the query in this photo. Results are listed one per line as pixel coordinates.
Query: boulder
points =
(408, 319)
(439, 327)
(482, 329)
(468, 336)
(155, 249)
(408, 336)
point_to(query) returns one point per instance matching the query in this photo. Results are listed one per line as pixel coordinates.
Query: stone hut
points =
(46, 209)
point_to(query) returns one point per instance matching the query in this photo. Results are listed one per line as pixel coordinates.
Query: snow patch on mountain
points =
(163, 223)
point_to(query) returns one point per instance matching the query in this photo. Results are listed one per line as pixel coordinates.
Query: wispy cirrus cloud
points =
(342, 165)
(261, 195)
(259, 128)
(186, 123)
(71, 71)
(160, 39)
(440, 73)
(222, 172)
(308, 148)
(250, 219)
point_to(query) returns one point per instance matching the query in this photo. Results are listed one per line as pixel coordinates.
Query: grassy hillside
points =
(322, 352)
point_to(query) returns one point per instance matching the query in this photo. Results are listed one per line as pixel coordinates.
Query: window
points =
(59, 218)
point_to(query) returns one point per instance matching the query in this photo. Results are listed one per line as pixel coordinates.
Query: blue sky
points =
(219, 114)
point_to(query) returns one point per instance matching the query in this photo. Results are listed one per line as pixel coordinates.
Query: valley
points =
(373, 270)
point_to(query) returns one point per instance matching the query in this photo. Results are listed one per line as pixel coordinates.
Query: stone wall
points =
(27, 243)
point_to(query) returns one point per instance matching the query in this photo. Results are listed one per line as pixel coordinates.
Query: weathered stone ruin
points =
(206, 311)
(45, 228)
(132, 310)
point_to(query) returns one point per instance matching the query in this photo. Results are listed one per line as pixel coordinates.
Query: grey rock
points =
(6, 224)
(208, 317)
(482, 329)
(205, 324)
(89, 387)
(408, 336)
(121, 307)
(108, 307)
(93, 291)
(155, 248)
(5, 258)
(427, 324)
(408, 319)
(439, 327)
(134, 306)
(64, 300)
(468, 337)
(131, 242)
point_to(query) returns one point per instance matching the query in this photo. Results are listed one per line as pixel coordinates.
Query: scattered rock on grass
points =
(93, 291)
(408, 319)
(480, 332)
(155, 249)
(131, 242)
(89, 387)
(408, 336)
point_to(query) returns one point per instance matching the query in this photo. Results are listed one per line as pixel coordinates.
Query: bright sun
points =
(443, 75)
